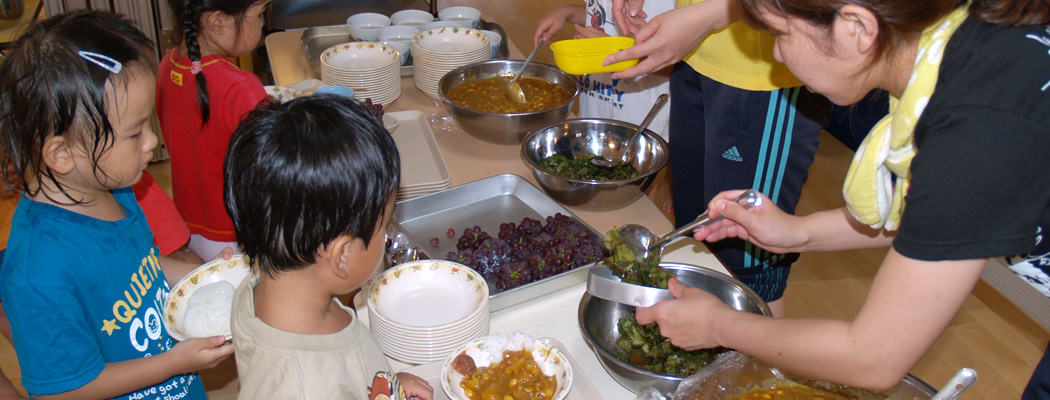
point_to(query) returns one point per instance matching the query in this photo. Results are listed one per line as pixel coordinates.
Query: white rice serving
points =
(208, 310)
(492, 347)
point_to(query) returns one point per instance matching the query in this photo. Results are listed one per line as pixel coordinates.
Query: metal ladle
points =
(514, 92)
(606, 162)
(962, 380)
(642, 240)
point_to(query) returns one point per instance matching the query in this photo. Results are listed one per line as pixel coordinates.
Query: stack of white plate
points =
(437, 51)
(420, 311)
(408, 191)
(373, 70)
(423, 168)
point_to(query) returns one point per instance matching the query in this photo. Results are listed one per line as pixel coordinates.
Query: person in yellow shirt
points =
(739, 119)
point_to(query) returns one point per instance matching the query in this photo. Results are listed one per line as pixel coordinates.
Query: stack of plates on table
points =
(423, 168)
(420, 311)
(437, 51)
(373, 70)
(408, 192)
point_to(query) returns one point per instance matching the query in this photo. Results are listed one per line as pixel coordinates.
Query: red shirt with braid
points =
(197, 154)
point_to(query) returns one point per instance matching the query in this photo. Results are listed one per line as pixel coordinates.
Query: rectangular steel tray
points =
(486, 203)
(317, 39)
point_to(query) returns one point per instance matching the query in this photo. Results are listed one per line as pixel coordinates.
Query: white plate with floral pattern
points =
(233, 271)
(488, 350)
(360, 56)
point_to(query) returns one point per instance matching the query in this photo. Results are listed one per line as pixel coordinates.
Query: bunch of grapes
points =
(528, 251)
(376, 109)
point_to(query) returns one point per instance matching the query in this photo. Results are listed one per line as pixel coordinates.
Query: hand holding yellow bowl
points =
(584, 56)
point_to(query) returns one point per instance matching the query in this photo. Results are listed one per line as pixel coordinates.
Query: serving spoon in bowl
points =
(606, 162)
(514, 92)
(643, 241)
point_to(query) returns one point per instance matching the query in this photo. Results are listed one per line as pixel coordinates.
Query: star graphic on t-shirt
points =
(109, 325)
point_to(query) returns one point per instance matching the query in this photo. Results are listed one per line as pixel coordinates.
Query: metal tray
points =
(486, 203)
(317, 39)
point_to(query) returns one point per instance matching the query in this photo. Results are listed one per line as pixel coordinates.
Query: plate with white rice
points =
(201, 303)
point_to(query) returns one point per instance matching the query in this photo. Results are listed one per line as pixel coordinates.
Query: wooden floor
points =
(989, 334)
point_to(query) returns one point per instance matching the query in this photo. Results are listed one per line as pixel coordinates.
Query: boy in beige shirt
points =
(310, 186)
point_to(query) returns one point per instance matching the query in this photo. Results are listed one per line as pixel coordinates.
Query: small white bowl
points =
(468, 16)
(440, 24)
(428, 293)
(411, 17)
(233, 271)
(364, 27)
(452, 40)
(358, 56)
(390, 123)
(488, 350)
(400, 33)
(494, 41)
(405, 48)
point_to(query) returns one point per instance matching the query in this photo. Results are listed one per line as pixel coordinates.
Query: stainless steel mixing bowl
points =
(598, 320)
(607, 137)
(506, 128)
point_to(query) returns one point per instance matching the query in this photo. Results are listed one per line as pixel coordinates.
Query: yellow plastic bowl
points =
(584, 56)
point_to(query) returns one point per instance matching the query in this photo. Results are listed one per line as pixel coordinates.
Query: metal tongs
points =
(603, 284)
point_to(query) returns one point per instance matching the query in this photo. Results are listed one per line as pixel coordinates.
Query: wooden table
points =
(470, 159)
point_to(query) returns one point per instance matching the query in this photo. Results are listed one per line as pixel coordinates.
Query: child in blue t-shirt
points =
(82, 282)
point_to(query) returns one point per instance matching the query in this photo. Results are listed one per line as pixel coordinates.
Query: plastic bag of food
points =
(722, 378)
(650, 393)
(737, 375)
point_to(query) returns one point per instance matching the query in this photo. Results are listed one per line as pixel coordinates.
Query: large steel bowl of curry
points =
(549, 94)
(598, 321)
(577, 138)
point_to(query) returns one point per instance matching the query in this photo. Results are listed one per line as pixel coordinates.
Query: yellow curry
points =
(517, 375)
(490, 95)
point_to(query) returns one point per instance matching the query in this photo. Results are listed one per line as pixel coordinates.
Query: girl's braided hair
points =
(188, 30)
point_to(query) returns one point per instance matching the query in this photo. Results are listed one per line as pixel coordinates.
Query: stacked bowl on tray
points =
(421, 311)
(437, 51)
(373, 70)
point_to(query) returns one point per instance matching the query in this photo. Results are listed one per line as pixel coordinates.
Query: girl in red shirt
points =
(201, 98)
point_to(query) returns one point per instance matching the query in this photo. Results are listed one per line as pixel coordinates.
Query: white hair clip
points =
(102, 60)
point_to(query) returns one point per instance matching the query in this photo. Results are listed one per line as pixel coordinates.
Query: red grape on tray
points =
(528, 251)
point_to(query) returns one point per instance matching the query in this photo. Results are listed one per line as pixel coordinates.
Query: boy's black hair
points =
(187, 31)
(47, 88)
(299, 175)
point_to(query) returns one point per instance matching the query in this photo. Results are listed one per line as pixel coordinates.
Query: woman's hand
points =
(686, 320)
(767, 225)
(193, 355)
(670, 36)
(415, 387)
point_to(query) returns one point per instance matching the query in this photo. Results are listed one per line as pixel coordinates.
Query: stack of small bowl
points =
(437, 51)
(420, 311)
(373, 70)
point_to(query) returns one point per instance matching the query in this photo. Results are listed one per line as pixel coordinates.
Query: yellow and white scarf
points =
(872, 194)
